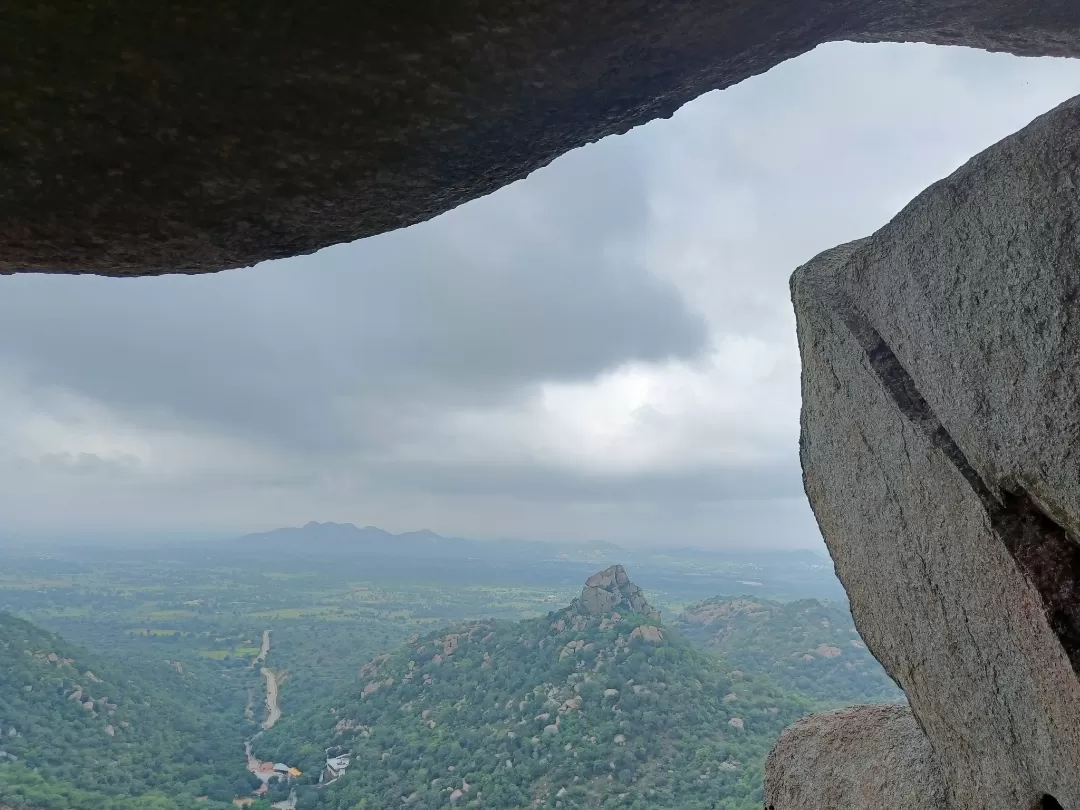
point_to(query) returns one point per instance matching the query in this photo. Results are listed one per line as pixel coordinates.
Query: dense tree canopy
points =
(807, 646)
(93, 732)
(580, 710)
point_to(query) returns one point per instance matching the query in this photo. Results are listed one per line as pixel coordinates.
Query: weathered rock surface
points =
(141, 138)
(610, 590)
(857, 757)
(941, 455)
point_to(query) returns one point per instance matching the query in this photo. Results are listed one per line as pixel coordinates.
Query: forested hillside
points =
(807, 646)
(593, 706)
(78, 731)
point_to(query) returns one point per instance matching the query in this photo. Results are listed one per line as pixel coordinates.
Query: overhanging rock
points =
(941, 455)
(147, 137)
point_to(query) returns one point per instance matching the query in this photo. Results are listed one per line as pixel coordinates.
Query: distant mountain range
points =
(348, 540)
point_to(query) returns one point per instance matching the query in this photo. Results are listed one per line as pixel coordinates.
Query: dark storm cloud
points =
(542, 282)
(538, 482)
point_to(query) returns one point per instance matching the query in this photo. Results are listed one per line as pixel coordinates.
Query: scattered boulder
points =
(571, 705)
(450, 644)
(370, 668)
(647, 633)
(856, 758)
(737, 723)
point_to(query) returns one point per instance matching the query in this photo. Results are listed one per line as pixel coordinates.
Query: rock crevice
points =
(939, 437)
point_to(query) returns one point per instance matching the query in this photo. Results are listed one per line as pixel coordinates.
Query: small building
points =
(281, 769)
(335, 767)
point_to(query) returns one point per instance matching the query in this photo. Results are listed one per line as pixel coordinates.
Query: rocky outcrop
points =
(609, 591)
(858, 757)
(219, 134)
(941, 455)
(647, 633)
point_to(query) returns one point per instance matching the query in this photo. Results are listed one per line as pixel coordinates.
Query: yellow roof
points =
(295, 772)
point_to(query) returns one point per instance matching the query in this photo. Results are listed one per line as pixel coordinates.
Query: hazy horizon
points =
(604, 351)
(165, 537)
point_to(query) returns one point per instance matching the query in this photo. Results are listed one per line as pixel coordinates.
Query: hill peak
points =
(610, 591)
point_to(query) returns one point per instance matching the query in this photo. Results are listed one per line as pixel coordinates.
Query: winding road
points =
(273, 711)
(265, 649)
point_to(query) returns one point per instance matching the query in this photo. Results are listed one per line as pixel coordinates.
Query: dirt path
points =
(265, 648)
(273, 711)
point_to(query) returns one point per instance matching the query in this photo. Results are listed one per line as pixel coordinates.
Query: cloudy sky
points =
(605, 350)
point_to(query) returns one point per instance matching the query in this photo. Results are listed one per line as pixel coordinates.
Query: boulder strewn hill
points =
(78, 731)
(591, 706)
(808, 646)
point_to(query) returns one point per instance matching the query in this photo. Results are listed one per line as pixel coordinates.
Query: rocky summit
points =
(611, 591)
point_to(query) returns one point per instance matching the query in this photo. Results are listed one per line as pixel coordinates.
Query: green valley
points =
(483, 676)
